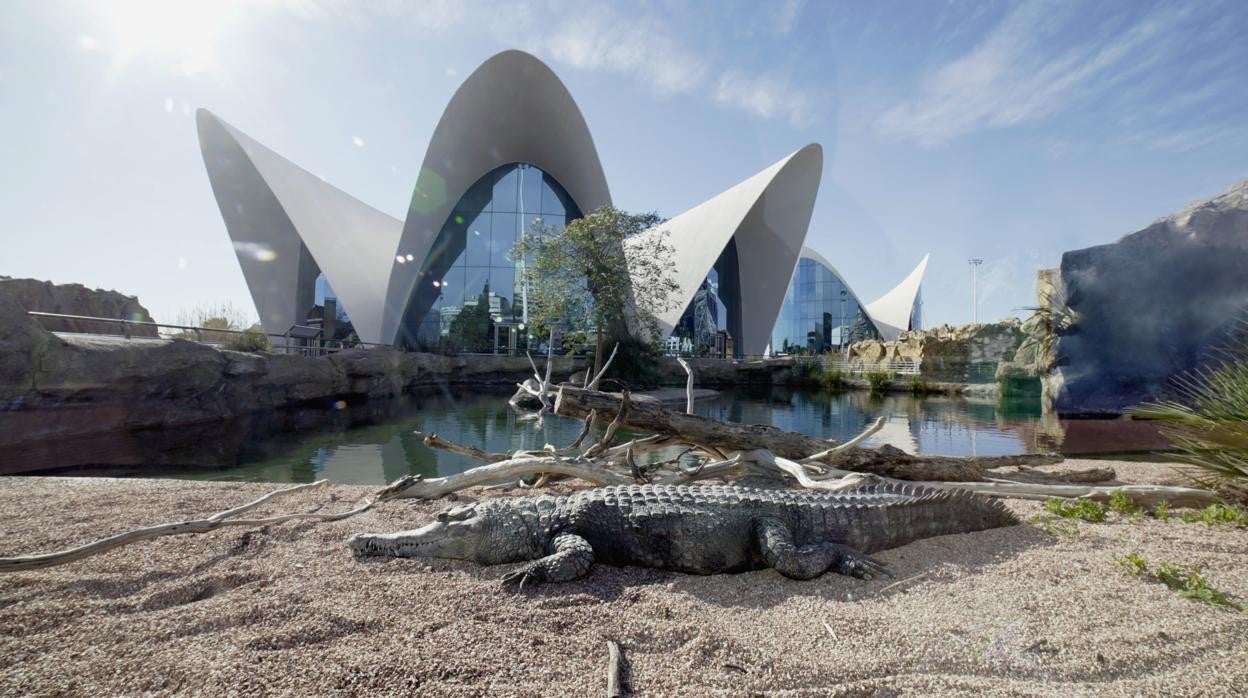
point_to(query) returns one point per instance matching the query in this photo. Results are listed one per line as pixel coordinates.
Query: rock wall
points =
(1150, 307)
(76, 299)
(51, 388)
(944, 353)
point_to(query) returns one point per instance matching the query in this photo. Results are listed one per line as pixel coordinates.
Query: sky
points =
(1007, 131)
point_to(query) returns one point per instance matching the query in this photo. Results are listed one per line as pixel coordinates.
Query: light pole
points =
(975, 262)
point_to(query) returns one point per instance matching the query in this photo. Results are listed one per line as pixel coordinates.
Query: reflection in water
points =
(378, 443)
(376, 453)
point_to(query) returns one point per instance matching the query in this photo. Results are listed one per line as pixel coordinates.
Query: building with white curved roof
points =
(511, 147)
(821, 313)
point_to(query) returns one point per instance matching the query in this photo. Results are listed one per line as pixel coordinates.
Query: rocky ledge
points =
(51, 388)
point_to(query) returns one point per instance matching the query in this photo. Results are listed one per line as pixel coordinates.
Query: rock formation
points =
(1150, 307)
(53, 389)
(76, 299)
(945, 353)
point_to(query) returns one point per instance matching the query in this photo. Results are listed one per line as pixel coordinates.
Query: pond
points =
(375, 444)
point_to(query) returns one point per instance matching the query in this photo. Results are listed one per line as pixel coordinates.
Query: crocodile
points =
(699, 529)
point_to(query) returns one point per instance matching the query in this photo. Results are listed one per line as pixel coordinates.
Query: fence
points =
(278, 343)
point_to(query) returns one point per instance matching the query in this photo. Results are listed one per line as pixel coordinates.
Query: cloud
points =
(765, 96)
(594, 38)
(1023, 71)
(642, 47)
(787, 15)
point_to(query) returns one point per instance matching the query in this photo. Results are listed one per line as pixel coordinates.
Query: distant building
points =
(821, 313)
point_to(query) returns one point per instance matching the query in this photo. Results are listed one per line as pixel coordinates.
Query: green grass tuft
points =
(1055, 526)
(1187, 581)
(1218, 515)
(1082, 509)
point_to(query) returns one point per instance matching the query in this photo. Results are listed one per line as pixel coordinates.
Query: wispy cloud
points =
(766, 96)
(786, 15)
(642, 47)
(599, 38)
(1023, 71)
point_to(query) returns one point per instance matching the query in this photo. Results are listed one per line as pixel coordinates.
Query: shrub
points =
(833, 380)
(250, 339)
(1208, 422)
(918, 386)
(879, 380)
(805, 373)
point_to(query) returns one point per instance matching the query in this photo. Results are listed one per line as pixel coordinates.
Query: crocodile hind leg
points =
(570, 557)
(775, 542)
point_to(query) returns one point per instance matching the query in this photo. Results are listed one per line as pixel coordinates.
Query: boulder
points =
(1150, 307)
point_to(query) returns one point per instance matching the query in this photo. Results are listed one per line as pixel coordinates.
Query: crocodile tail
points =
(923, 512)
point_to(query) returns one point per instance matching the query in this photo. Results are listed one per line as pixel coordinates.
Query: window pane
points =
(475, 279)
(478, 237)
(530, 189)
(551, 203)
(452, 286)
(504, 239)
(505, 192)
(503, 284)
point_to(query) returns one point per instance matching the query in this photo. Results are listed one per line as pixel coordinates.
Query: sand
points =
(287, 611)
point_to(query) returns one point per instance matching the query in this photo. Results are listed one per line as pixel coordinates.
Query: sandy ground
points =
(286, 610)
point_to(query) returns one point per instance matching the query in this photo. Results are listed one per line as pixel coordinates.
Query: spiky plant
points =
(1208, 419)
(1048, 321)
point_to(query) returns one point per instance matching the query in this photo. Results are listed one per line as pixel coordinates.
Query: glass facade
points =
(820, 313)
(711, 323)
(470, 294)
(321, 294)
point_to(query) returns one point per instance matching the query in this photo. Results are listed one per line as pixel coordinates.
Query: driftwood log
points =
(648, 414)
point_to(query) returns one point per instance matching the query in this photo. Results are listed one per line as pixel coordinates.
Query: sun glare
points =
(184, 35)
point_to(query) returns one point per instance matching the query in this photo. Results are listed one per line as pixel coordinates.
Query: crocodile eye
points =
(457, 513)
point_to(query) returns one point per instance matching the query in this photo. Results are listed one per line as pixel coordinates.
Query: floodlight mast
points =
(975, 262)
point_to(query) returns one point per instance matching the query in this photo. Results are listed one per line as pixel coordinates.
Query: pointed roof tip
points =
(891, 311)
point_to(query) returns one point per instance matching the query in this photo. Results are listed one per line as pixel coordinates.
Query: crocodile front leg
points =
(570, 557)
(775, 541)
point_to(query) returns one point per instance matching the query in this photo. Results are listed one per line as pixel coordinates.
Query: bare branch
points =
(609, 437)
(848, 445)
(589, 424)
(218, 520)
(434, 488)
(593, 385)
(688, 385)
(435, 441)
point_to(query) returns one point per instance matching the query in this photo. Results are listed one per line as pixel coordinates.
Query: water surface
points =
(375, 444)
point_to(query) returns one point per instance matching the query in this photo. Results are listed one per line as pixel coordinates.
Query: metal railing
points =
(860, 367)
(209, 336)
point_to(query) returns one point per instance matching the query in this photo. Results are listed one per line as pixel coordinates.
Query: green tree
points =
(580, 276)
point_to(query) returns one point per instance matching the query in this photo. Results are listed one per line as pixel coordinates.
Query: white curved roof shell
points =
(352, 243)
(512, 108)
(891, 312)
(768, 215)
